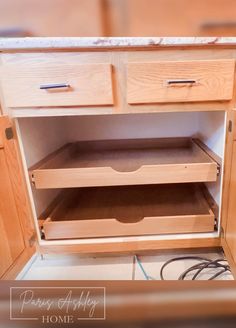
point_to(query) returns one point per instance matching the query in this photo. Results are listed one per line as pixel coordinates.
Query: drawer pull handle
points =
(172, 82)
(54, 86)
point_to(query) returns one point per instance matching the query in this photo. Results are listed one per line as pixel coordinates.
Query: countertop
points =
(33, 43)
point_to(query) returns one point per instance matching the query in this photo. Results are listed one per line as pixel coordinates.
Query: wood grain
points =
(148, 82)
(14, 203)
(18, 264)
(230, 233)
(89, 85)
(119, 60)
(229, 257)
(127, 162)
(133, 210)
(11, 241)
(134, 246)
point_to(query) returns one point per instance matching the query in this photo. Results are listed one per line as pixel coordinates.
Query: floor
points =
(74, 267)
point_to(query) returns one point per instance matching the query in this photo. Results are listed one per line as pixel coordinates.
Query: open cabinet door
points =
(229, 233)
(17, 230)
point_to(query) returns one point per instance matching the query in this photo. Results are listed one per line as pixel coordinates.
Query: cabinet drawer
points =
(130, 211)
(57, 85)
(125, 162)
(157, 82)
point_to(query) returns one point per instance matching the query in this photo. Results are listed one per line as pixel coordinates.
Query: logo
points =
(53, 305)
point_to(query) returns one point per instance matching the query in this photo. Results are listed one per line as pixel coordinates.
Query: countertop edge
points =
(44, 43)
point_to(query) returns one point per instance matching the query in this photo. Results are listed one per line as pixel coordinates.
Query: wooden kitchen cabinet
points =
(115, 158)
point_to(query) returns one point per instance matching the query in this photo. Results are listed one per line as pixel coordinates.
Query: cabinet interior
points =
(125, 145)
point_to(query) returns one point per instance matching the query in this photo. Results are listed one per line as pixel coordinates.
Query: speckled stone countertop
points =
(7, 44)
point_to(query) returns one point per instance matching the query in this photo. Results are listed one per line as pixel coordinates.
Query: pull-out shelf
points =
(127, 162)
(130, 211)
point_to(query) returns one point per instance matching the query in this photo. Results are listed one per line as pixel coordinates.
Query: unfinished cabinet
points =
(122, 150)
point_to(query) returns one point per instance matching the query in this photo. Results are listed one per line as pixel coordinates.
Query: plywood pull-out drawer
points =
(57, 85)
(158, 82)
(127, 162)
(130, 211)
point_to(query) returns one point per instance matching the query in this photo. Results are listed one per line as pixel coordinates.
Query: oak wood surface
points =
(230, 258)
(127, 162)
(15, 210)
(122, 105)
(230, 233)
(11, 241)
(18, 264)
(88, 85)
(148, 82)
(133, 210)
(134, 246)
(118, 60)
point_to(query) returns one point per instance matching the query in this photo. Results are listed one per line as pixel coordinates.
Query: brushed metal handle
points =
(181, 81)
(54, 86)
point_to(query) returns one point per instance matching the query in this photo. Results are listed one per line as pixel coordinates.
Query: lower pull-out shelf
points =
(130, 211)
(127, 162)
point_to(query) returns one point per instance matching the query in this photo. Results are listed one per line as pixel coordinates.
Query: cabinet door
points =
(11, 241)
(15, 217)
(230, 233)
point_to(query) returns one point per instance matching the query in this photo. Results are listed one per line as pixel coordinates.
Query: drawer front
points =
(129, 211)
(158, 82)
(115, 228)
(125, 162)
(95, 177)
(57, 85)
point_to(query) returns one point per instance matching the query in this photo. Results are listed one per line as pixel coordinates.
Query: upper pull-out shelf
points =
(125, 162)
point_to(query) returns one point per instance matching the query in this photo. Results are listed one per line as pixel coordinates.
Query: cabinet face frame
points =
(118, 59)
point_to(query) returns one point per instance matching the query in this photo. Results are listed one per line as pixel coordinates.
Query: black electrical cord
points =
(204, 264)
(211, 264)
(200, 267)
(180, 259)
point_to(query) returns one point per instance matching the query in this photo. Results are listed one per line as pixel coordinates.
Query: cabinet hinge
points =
(222, 232)
(230, 126)
(32, 240)
(9, 133)
(218, 170)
